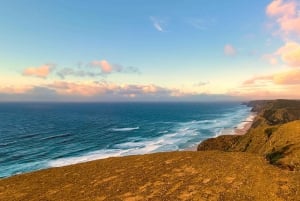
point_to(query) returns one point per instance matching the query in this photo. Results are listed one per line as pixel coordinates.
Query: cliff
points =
(275, 134)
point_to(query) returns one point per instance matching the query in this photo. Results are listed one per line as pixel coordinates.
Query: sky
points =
(132, 50)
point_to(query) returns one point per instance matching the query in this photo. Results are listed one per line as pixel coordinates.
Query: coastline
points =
(240, 129)
(225, 168)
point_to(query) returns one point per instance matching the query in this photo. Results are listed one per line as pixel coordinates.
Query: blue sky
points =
(143, 50)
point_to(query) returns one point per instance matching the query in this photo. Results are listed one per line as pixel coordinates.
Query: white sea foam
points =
(163, 132)
(105, 153)
(163, 143)
(125, 129)
(250, 118)
(55, 136)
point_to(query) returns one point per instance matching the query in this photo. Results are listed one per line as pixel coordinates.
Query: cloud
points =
(290, 54)
(41, 71)
(291, 77)
(199, 23)
(77, 73)
(283, 84)
(78, 88)
(102, 91)
(280, 8)
(14, 89)
(102, 88)
(229, 50)
(201, 83)
(103, 65)
(286, 16)
(158, 23)
(107, 68)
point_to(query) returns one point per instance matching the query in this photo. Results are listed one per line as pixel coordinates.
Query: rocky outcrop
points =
(275, 134)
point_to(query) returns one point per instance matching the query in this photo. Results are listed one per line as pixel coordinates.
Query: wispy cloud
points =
(64, 72)
(282, 84)
(40, 72)
(107, 68)
(159, 24)
(99, 68)
(201, 83)
(200, 23)
(290, 77)
(229, 50)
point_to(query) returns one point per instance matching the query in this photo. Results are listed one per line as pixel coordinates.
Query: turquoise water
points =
(36, 136)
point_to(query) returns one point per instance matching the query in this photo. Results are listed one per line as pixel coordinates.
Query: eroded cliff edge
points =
(274, 134)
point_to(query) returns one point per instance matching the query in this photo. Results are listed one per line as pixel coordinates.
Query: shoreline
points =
(240, 129)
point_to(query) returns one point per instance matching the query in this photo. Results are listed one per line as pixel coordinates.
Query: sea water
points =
(36, 136)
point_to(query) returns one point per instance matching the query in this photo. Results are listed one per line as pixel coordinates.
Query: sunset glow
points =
(149, 51)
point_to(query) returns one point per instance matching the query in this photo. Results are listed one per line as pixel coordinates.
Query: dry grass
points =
(210, 175)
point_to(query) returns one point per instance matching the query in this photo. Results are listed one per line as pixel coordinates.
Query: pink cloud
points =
(290, 54)
(83, 89)
(102, 88)
(229, 50)
(41, 71)
(103, 65)
(280, 8)
(286, 16)
(291, 77)
(283, 84)
(15, 89)
(290, 25)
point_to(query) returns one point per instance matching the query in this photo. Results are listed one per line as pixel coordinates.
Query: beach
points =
(240, 129)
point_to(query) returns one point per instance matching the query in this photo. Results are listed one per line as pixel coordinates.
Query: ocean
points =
(36, 136)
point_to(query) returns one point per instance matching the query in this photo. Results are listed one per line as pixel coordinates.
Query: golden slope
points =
(210, 175)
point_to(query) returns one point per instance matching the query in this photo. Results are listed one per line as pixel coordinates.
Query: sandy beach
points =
(240, 129)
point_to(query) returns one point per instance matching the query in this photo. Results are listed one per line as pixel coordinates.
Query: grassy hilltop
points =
(261, 165)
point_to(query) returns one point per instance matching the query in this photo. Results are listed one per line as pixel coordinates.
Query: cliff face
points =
(275, 134)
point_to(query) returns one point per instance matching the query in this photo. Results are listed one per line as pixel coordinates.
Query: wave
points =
(125, 129)
(95, 155)
(7, 143)
(55, 136)
(28, 136)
